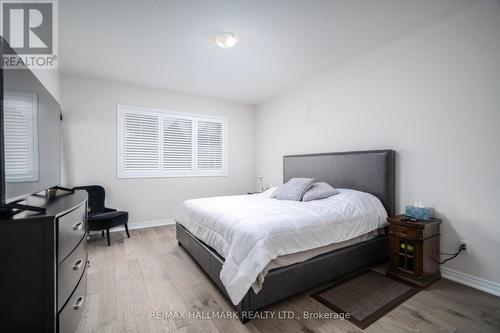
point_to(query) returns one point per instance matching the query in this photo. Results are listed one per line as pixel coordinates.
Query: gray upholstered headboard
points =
(369, 171)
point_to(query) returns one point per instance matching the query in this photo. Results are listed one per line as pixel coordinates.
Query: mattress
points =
(252, 231)
(294, 258)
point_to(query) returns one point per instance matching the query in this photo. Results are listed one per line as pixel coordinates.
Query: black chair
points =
(101, 218)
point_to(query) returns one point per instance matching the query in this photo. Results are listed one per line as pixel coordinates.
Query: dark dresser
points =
(43, 277)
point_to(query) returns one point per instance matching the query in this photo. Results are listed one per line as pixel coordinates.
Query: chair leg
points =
(126, 229)
(107, 235)
(102, 234)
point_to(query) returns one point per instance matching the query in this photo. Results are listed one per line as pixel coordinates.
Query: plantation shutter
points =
(21, 137)
(177, 144)
(210, 145)
(141, 142)
(155, 143)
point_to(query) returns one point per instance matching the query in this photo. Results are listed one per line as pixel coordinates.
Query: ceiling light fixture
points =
(226, 39)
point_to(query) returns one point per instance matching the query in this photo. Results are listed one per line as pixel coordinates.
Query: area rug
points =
(366, 297)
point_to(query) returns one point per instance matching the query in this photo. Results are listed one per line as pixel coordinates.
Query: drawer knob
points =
(78, 226)
(78, 265)
(78, 303)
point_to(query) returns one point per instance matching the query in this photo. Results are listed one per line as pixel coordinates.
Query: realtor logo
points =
(30, 28)
(27, 27)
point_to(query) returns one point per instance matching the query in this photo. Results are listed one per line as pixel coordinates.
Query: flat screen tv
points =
(30, 139)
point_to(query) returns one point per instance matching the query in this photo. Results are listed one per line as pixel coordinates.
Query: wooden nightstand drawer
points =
(406, 232)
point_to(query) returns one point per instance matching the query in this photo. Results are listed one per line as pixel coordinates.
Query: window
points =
(155, 143)
(21, 137)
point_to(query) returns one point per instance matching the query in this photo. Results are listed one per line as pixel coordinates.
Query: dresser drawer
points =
(69, 272)
(70, 315)
(71, 228)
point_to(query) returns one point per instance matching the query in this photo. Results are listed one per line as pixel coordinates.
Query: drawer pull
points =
(78, 303)
(78, 265)
(78, 226)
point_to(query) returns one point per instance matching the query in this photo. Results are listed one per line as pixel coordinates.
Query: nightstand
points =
(414, 250)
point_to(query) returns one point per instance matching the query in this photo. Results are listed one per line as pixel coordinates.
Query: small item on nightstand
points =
(422, 213)
(419, 211)
(408, 218)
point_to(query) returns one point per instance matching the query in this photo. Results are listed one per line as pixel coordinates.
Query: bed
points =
(364, 175)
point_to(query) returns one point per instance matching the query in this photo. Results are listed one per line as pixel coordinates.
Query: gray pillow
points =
(319, 190)
(294, 189)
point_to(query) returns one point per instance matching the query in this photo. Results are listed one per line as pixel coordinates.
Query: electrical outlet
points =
(467, 245)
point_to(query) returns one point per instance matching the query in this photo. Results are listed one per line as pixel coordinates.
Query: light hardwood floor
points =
(150, 272)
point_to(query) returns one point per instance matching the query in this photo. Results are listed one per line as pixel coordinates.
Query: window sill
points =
(131, 176)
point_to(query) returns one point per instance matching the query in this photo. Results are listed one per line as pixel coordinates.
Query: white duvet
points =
(251, 230)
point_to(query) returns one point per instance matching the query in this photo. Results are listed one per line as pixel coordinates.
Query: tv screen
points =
(31, 133)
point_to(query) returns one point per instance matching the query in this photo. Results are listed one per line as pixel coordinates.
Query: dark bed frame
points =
(368, 171)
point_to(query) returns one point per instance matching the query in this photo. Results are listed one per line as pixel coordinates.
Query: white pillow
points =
(320, 190)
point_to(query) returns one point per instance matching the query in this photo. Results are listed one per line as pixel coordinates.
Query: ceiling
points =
(167, 44)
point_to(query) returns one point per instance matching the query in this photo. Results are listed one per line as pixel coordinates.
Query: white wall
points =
(51, 79)
(89, 153)
(433, 96)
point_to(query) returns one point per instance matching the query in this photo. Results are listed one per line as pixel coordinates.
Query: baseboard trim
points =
(472, 281)
(145, 224)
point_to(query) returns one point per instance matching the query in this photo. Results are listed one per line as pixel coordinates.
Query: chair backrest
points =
(96, 197)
